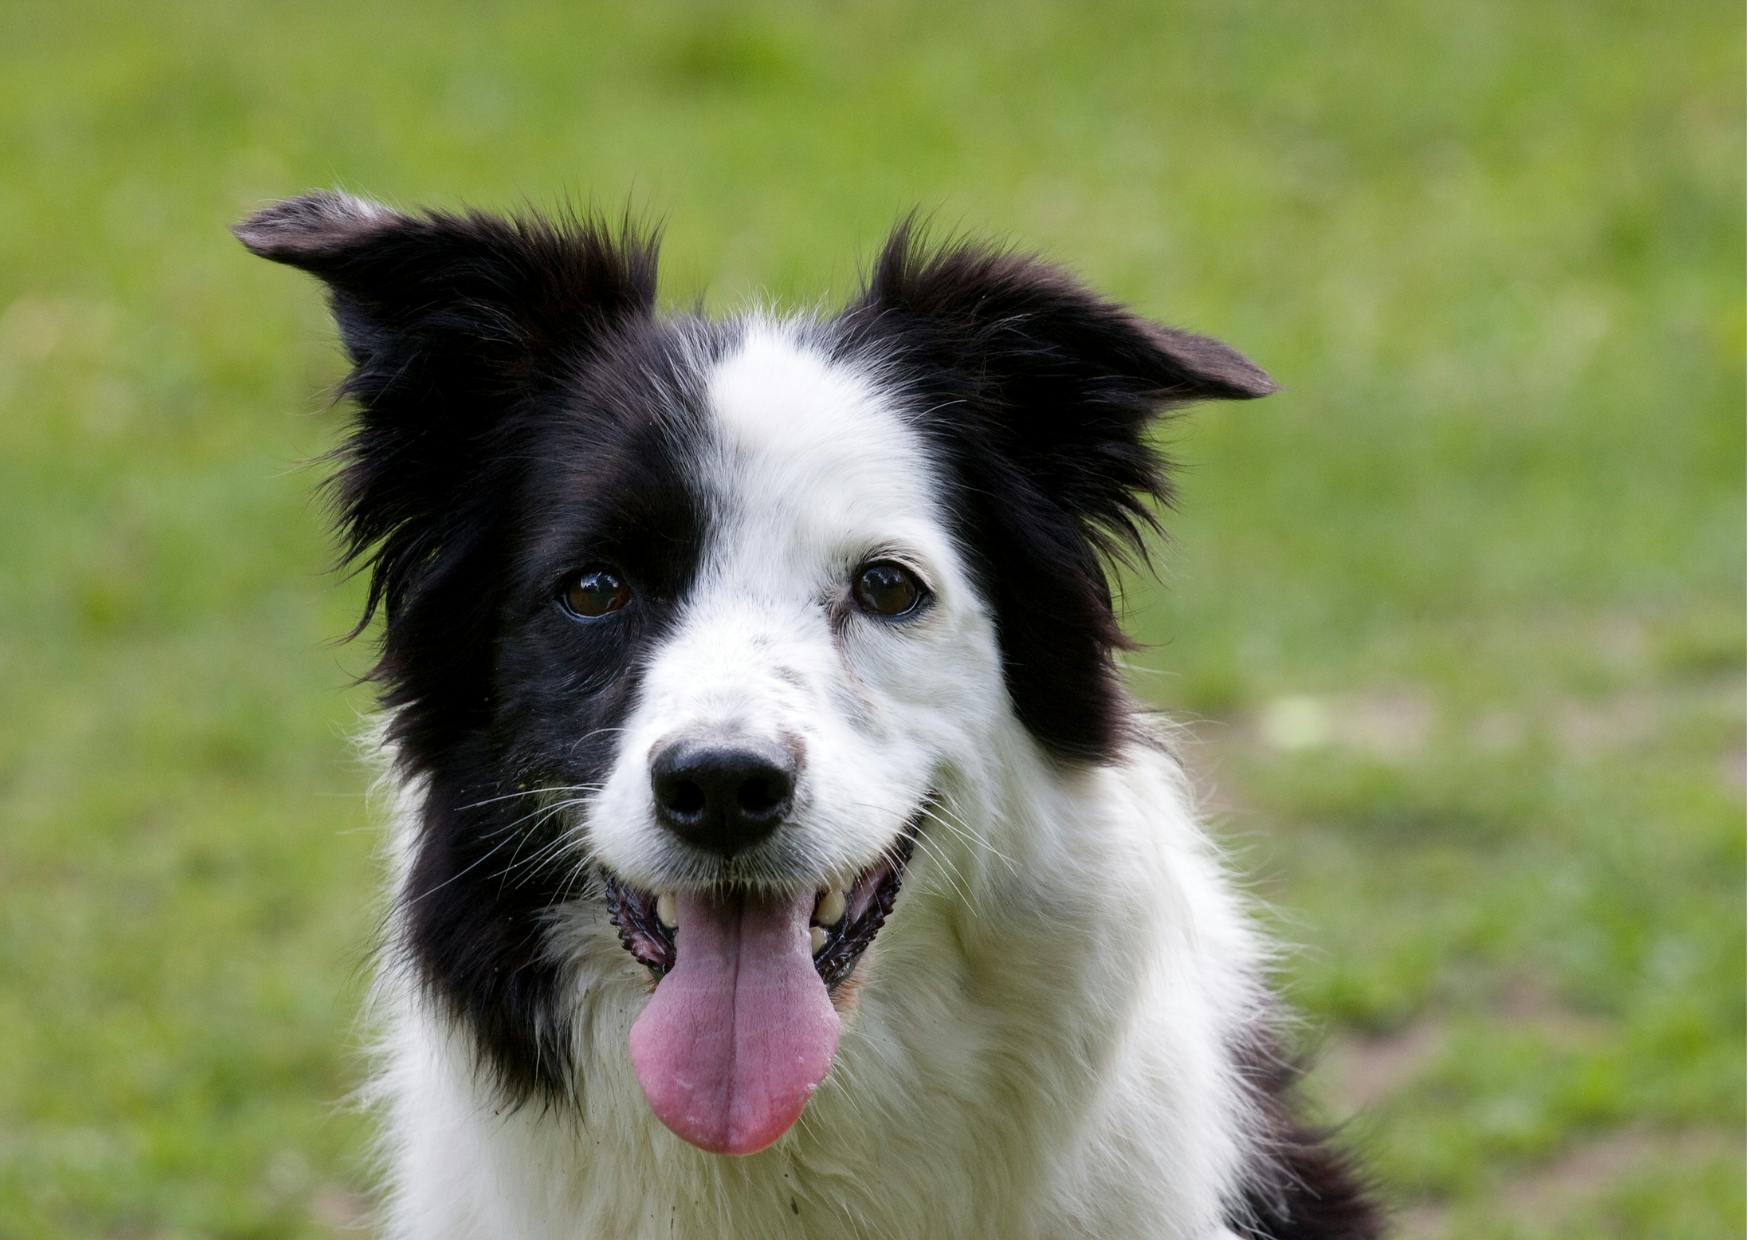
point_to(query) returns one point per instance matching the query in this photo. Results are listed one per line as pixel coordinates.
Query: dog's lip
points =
(868, 899)
(869, 902)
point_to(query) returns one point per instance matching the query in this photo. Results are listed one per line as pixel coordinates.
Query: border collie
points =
(777, 853)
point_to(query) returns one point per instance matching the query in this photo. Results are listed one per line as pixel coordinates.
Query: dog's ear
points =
(1055, 378)
(1040, 396)
(449, 321)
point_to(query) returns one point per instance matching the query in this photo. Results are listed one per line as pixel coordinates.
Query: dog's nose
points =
(722, 796)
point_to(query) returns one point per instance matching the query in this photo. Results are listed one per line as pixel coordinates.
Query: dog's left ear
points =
(1039, 396)
(1053, 378)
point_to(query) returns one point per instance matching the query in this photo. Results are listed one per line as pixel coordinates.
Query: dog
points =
(777, 852)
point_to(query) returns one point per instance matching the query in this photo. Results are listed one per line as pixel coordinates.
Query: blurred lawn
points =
(1458, 616)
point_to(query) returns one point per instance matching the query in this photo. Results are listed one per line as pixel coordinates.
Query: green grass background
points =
(1457, 617)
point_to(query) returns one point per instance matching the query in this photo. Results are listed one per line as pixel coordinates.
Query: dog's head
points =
(701, 620)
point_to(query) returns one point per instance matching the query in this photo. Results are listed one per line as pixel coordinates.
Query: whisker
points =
(937, 814)
(547, 850)
(949, 870)
(530, 792)
(504, 831)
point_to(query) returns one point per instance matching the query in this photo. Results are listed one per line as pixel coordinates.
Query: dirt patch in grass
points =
(1422, 1223)
(340, 1209)
(1364, 1070)
(1548, 1195)
(1531, 1001)
(1733, 770)
(1554, 1189)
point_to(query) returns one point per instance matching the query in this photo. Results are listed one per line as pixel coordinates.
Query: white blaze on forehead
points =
(805, 467)
(817, 449)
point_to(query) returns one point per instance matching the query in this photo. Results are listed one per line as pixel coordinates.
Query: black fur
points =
(1040, 396)
(1301, 1186)
(459, 328)
(521, 416)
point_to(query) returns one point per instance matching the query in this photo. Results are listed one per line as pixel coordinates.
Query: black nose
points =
(719, 796)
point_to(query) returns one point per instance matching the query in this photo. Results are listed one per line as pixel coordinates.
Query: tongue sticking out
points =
(741, 1031)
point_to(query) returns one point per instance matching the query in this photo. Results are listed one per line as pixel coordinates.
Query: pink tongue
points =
(741, 1031)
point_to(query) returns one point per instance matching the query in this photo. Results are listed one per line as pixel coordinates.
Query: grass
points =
(1458, 617)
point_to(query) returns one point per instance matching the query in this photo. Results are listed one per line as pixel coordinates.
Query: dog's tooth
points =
(665, 911)
(816, 938)
(830, 909)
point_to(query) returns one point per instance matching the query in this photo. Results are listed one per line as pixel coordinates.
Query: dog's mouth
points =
(741, 1028)
(840, 929)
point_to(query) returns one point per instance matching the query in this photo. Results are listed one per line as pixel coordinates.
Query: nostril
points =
(763, 794)
(683, 797)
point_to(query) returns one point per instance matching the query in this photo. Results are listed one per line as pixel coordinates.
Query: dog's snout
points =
(722, 796)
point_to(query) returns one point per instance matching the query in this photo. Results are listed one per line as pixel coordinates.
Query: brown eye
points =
(887, 589)
(595, 592)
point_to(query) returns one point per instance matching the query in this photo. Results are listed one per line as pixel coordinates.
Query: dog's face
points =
(822, 653)
(699, 620)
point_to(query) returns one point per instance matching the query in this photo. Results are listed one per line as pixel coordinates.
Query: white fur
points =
(1040, 1043)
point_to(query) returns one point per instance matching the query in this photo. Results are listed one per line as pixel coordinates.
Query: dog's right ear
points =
(449, 321)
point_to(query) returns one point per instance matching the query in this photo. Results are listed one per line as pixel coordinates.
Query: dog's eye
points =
(887, 589)
(593, 593)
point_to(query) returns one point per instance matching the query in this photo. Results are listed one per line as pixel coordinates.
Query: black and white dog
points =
(766, 787)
